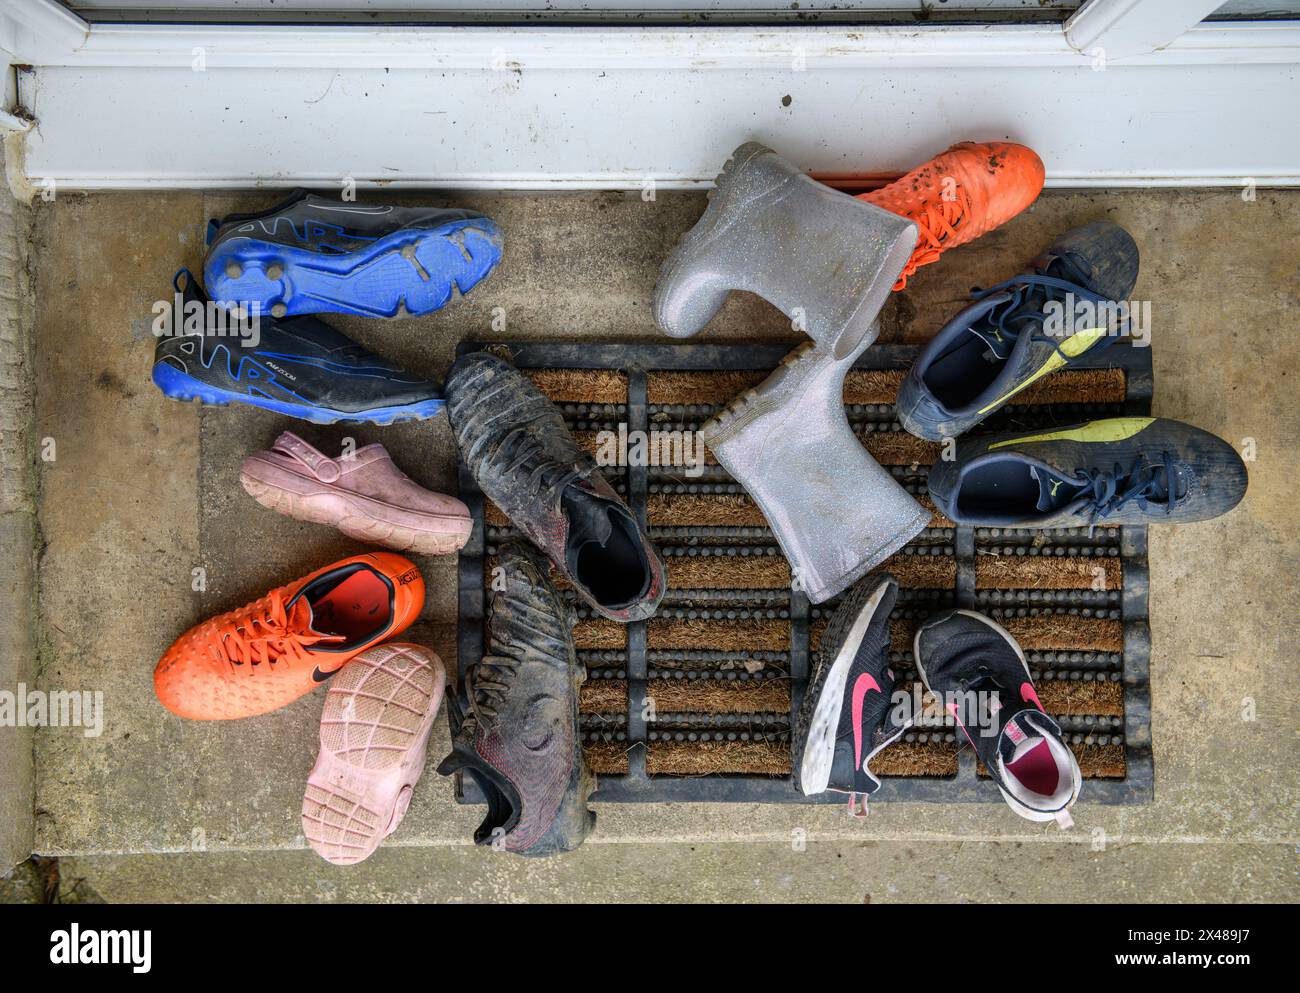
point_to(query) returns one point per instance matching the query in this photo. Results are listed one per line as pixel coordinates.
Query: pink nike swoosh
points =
(1027, 694)
(863, 685)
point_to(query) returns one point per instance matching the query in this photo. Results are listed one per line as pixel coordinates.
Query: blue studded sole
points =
(408, 272)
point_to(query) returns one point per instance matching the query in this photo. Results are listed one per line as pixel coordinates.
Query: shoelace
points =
(1112, 489)
(935, 223)
(486, 684)
(261, 632)
(547, 477)
(1028, 292)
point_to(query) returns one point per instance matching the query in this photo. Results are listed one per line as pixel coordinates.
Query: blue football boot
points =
(314, 254)
(299, 366)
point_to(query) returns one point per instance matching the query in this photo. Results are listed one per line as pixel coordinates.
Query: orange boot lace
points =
(264, 631)
(936, 224)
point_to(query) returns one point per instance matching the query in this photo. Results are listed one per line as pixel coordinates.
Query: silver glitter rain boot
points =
(835, 511)
(825, 259)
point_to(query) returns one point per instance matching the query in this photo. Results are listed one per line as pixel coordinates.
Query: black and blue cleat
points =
(298, 366)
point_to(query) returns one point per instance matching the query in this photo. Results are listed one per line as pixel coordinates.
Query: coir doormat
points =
(696, 703)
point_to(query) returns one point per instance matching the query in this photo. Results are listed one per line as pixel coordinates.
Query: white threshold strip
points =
(204, 106)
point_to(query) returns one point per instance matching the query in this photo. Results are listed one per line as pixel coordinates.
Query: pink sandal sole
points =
(374, 731)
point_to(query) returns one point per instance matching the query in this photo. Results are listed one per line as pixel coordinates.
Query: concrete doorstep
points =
(17, 528)
(144, 491)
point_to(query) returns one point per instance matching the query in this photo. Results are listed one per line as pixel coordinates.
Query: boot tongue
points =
(588, 520)
(1019, 736)
(1054, 490)
(302, 619)
(999, 344)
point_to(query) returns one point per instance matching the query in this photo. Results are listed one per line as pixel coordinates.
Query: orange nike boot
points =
(959, 195)
(269, 653)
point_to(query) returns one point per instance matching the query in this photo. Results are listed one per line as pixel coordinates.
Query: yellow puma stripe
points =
(1073, 346)
(1110, 429)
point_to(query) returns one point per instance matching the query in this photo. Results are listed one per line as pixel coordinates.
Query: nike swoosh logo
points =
(320, 677)
(863, 685)
(1028, 695)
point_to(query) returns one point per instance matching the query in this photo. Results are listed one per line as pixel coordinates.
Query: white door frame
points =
(1124, 93)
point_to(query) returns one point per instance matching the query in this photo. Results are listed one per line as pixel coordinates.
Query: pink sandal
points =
(374, 731)
(362, 494)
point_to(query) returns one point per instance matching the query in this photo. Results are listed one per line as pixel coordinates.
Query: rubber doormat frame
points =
(636, 362)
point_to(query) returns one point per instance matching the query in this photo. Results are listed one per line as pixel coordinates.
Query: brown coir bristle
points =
(1048, 632)
(704, 758)
(1043, 572)
(727, 572)
(699, 387)
(716, 696)
(861, 386)
(1101, 761)
(580, 385)
(872, 385)
(682, 510)
(606, 758)
(1078, 386)
(742, 635)
(1053, 632)
(599, 632)
(899, 448)
(603, 696)
(912, 758)
(1063, 696)
(922, 572)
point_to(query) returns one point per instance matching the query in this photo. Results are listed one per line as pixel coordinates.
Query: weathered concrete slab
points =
(145, 490)
(838, 872)
(17, 526)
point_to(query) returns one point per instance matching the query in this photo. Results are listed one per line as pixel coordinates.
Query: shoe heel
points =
(752, 403)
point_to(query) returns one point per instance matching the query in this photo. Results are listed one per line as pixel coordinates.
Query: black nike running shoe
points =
(844, 720)
(301, 366)
(979, 673)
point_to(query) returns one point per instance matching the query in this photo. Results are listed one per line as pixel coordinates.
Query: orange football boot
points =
(269, 653)
(959, 195)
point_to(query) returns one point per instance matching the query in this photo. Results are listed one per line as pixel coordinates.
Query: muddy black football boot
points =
(525, 461)
(845, 719)
(1071, 303)
(517, 736)
(299, 366)
(312, 254)
(1120, 470)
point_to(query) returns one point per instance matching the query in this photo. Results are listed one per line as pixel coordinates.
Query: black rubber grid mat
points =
(959, 552)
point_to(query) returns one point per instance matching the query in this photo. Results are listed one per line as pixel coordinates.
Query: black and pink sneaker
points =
(846, 716)
(979, 674)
